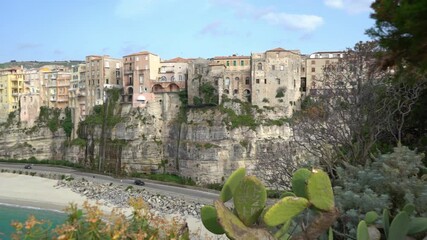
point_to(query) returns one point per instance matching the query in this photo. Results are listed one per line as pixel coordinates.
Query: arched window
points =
(163, 79)
(226, 91)
(180, 78)
(259, 66)
(172, 78)
(237, 79)
(227, 82)
(235, 91)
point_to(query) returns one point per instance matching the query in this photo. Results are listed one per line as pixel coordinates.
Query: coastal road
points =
(189, 193)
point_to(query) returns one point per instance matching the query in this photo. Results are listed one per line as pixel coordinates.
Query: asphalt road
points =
(189, 193)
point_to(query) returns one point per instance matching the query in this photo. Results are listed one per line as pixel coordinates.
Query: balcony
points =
(81, 94)
(128, 71)
(110, 86)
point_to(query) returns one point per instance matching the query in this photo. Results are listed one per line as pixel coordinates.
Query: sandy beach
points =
(41, 192)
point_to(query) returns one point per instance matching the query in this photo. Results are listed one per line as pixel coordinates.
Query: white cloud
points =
(305, 23)
(350, 6)
(334, 3)
(132, 8)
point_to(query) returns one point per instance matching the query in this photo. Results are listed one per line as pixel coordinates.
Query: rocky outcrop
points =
(205, 144)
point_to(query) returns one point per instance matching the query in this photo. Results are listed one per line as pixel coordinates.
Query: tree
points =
(400, 29)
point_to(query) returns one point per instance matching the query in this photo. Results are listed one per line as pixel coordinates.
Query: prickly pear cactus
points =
(236, 229)
(399, 226)
(362, 231)
(231, 184)
(210, 219)
(299, 182)
(285, 210)
(319, 189)
(249, 199)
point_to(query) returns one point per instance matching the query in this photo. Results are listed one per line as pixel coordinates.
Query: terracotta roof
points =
(176, 60)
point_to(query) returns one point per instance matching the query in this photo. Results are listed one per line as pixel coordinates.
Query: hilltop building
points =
(11, 87)
(102, 72)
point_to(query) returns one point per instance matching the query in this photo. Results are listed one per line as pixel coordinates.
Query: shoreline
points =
(55, 195)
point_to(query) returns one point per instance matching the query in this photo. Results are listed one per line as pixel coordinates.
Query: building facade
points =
(11, 87)
(315, 63)
(276, 79)
(140, 73)
(102, 72)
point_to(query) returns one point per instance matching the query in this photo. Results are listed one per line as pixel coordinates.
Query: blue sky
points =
(71, 29)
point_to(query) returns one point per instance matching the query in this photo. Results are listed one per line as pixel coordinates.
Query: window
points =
(278, 80)
(163, 79)
(242, 63)
(107, 64)
(180, 77)
(265, 81)
(282, 68)
(313, 62)
(235, 92)
(141, 78)
(273, 67)
(172, 78)
(237, 79)
(247, 81)
(295, 83)
(228, 63)
(140, 88)
(234, 63)
(107, 81)
(227, 82)
(257, 81)
(259, 66)
(313, 69)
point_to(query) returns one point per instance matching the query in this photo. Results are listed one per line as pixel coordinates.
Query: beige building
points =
(57, 83)
(77, 95)
(236, 82)
(102, 72)
(11, 87)
(315, 63)
(140, 73)
(276, 79)
(172, 76)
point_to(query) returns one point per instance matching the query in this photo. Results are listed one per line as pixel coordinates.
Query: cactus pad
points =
(417, 225)
(399, 226)
(249, 199)
(319, 190)
(371, 217)
(284, 210)
(299, 182)
(362, 231)
(235, 229)
(210, 219)
(231, 184)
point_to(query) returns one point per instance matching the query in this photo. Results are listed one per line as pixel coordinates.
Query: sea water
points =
(9, 213)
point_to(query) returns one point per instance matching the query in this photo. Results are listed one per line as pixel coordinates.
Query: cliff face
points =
(206, 144)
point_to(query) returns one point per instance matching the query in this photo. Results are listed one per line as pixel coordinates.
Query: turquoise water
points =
(8, 213)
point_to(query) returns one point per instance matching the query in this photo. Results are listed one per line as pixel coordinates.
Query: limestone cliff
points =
(205, 143)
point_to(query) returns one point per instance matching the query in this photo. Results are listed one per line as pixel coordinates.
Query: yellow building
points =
(11, 86)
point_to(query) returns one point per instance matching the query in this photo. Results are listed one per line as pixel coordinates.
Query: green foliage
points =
(248, 218)
(280, 92)
(209, 93)
(299, 182)
(93, 224)
(67, 124)
(210, 219)
(319, 190)
(389, 182)
(231, 184)
(78, 142)
(183, 97)
(197, 101)
(284, 210)
(249, 199)
(400, 29)
(106, 112)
